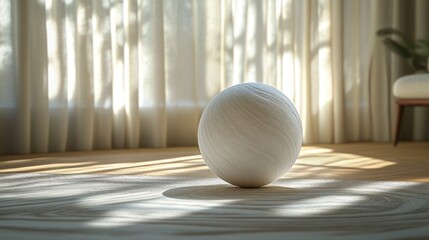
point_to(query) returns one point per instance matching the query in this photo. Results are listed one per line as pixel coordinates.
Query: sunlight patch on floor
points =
(154, 210)
(318, 205)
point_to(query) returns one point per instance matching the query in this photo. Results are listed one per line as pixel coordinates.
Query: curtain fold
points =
(103, 74)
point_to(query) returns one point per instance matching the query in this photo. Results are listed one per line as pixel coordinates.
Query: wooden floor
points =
(347, 191)
(366, 161)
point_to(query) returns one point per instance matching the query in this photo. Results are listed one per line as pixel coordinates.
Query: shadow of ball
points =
(250, 134)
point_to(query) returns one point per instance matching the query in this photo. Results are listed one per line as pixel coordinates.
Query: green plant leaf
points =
(415, 52)
(389, 31)
(386, 32)
(397, 48)
(424, 46)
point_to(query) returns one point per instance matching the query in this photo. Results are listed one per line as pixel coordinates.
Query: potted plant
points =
(416, 52)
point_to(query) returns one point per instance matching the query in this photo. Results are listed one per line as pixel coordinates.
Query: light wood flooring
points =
(367, 161)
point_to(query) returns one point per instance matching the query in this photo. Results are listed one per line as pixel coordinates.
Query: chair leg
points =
(399, 114)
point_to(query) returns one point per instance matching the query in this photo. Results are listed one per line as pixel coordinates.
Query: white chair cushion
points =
(414, 86)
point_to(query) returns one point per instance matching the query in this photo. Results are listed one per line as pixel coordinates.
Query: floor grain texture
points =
(348, 191)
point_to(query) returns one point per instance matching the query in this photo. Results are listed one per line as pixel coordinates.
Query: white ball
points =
(250, 134)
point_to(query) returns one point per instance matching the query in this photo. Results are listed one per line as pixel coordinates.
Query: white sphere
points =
(250, 134)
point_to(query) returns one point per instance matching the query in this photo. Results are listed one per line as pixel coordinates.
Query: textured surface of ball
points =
(250, 134)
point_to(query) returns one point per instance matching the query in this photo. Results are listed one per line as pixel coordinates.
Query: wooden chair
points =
(409, 91)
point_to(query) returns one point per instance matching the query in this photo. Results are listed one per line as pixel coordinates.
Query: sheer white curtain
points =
(101, 74)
